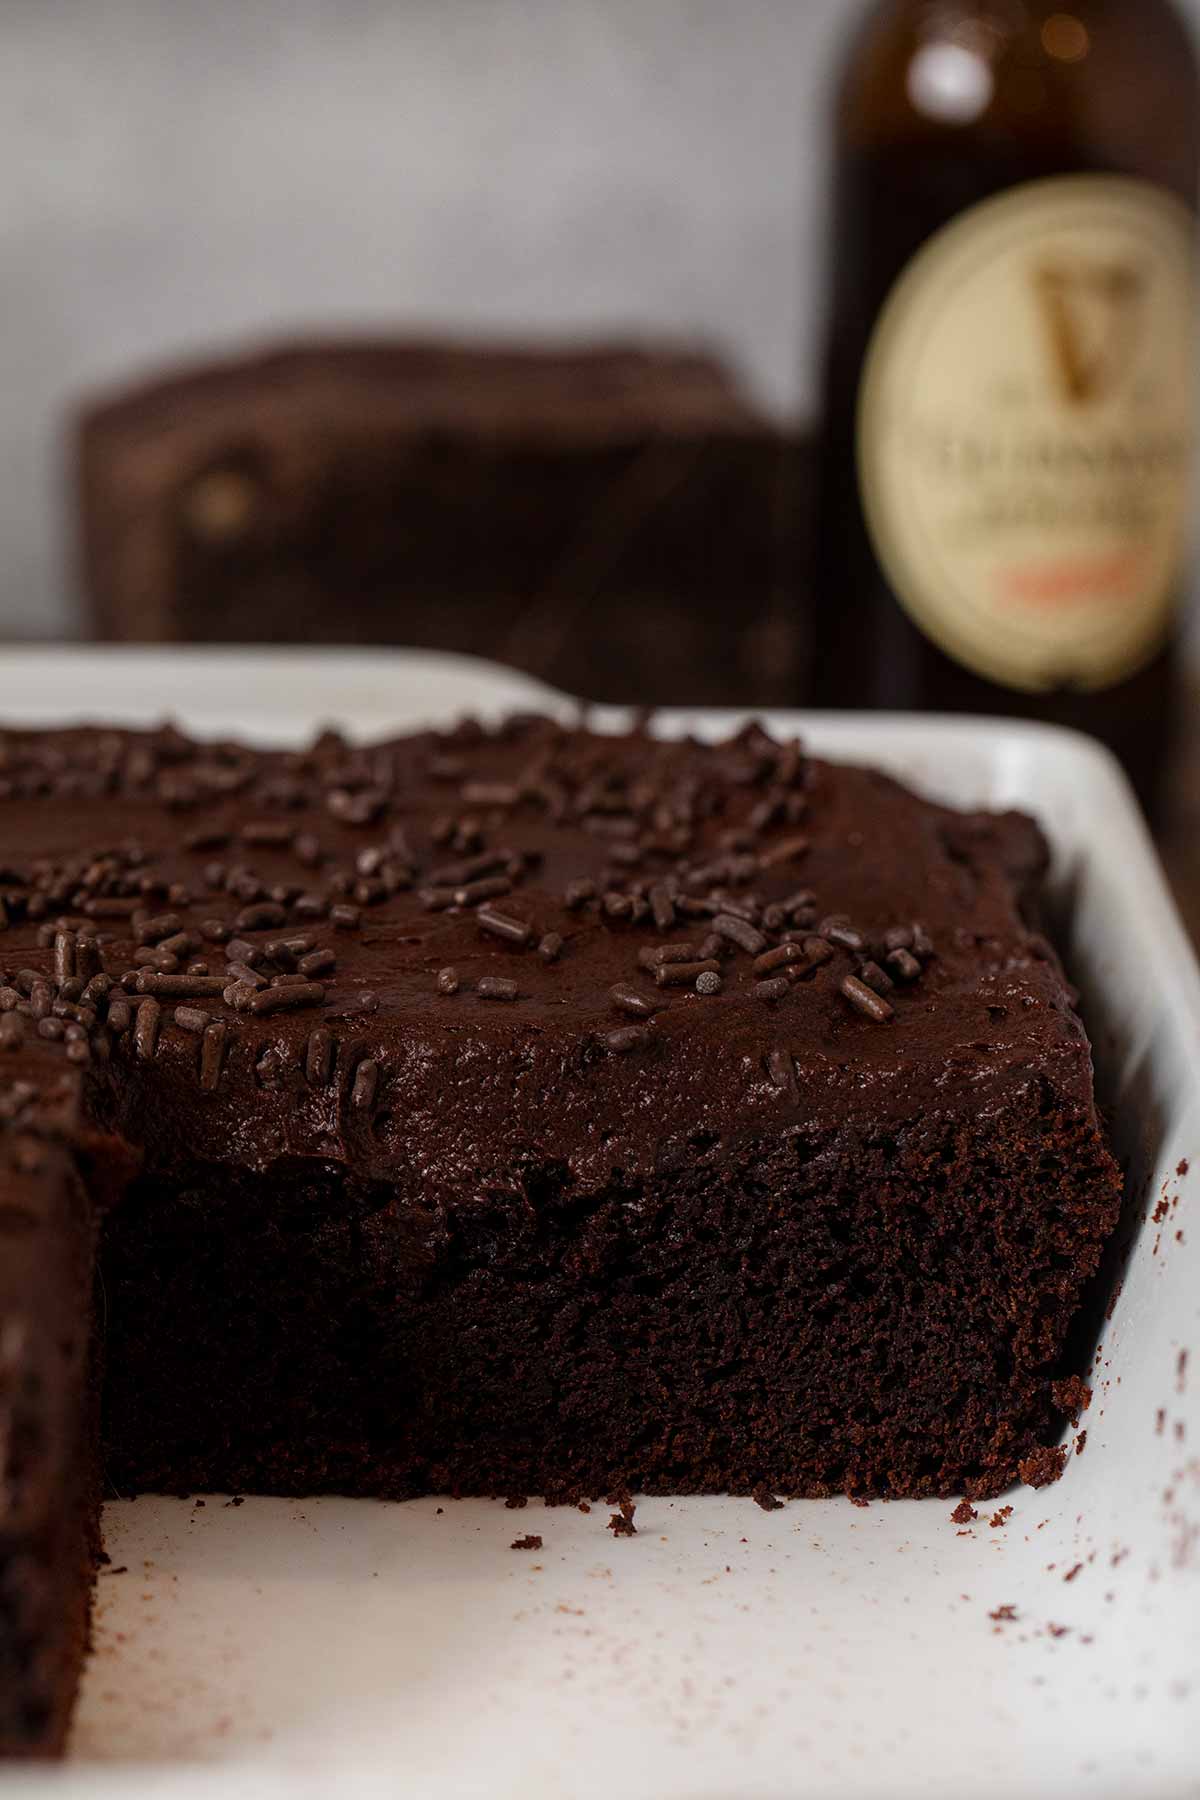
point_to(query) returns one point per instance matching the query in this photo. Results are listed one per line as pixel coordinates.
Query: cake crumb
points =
(1081, 1443)
(1183, 1168)
(530, 1541)
(1073, 1572)
(1004, 1615)
(515, 1502)
(963, 1513)
(1072, 1396)
(1042, 1466)
(584, 1507)
(1000, 1518)
(762, 1496)
(237, 1500)
(621, 1523)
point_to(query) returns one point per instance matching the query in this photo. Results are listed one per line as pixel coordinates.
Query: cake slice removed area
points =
(535, 1110)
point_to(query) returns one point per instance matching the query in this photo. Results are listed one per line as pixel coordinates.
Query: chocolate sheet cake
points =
(622, 522)
(522, 1111)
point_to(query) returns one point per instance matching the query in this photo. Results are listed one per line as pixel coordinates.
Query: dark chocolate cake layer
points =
(534, 1111)
(49, 1471)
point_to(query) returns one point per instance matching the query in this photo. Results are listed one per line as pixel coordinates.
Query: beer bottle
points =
(1006, 480)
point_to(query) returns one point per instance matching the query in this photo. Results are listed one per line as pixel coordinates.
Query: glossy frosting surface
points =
(363, 897)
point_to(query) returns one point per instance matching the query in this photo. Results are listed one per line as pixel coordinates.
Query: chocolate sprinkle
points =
(190, 1018)
(264, 916)
(503, 925)
(876, 978)
(239, 995)
(104, 908)
(497, 987)
(245, 976)
(489, 887)
(778, 958)
(632, 1000)
(318, 1057)
(182, 944)
(904, 965)
(145, 1032)
(790, 850)
(841, 932)
(781, 1067)
(630, 1037)
(865, 1001)
(447, 981)
(653, 956)
(709, 982)
(366, 1081)
(182, 987)
(286, 950)
(317, 962)
(551, 946)
(64, 956)
(663, 908)
(212, 1051)
(738, 932)
(286, 999)
(774, 989)
(151, 930)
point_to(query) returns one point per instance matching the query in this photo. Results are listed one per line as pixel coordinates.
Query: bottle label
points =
(1026, 424)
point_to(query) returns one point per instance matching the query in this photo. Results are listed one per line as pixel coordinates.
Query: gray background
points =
(175, 177)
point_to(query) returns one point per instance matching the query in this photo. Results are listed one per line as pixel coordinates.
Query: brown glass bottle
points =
(1008, 425)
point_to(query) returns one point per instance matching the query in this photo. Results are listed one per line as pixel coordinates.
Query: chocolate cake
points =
(518, 1111)
(622, 522)
(50, 1498)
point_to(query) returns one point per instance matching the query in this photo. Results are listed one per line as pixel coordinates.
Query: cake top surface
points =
(590, 395)
(452, 950)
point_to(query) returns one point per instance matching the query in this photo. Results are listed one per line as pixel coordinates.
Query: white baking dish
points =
(359, 1649)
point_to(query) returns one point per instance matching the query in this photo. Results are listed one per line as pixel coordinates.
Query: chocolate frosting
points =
(361, 916)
